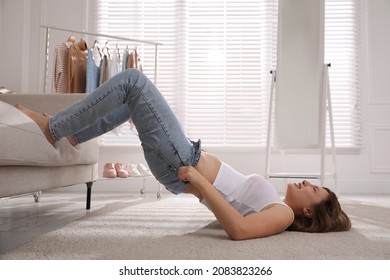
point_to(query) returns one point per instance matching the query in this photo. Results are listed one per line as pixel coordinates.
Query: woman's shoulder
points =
(271, 220)
(283, 210)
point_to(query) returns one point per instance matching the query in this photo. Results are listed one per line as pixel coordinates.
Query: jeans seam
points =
(161, 124)
(81, 111)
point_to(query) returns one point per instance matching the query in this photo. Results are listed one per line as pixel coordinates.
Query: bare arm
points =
(270, 221)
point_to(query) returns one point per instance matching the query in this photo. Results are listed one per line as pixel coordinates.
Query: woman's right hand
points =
(190, 174)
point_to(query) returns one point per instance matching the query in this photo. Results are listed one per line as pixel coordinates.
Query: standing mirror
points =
(299, 74)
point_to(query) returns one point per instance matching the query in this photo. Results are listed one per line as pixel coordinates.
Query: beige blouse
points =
(78, 57)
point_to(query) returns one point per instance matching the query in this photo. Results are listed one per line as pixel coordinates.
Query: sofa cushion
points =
(23, 143)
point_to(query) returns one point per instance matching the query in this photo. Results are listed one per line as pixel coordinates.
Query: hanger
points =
(106, 51)
(118, 55)
(96, 46)
(71, 40)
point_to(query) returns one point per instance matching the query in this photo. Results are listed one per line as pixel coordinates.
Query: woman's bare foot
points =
(72, 140)
(41, 120)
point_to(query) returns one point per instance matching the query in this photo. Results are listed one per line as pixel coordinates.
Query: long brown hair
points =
(327, 216)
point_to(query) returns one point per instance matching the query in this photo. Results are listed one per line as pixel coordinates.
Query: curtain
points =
(214, 65)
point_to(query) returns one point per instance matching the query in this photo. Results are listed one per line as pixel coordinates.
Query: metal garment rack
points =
(47, 43)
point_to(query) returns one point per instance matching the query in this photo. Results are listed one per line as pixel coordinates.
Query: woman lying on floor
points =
(245, 206)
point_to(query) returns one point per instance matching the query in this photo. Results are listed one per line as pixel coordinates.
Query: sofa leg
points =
(89, 191)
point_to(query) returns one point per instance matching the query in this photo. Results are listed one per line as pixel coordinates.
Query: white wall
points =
(1, 30)
(376, 95)
(22, 39)
(22, 63)
(11, 44)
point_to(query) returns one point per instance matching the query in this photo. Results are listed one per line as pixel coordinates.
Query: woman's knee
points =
(134, 74)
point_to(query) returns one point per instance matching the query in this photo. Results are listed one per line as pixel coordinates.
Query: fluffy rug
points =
(181, 228)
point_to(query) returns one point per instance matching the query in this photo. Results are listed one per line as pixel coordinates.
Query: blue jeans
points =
(130, 94)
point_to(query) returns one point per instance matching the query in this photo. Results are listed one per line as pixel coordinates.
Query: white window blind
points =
(214, 66)
(342, 29)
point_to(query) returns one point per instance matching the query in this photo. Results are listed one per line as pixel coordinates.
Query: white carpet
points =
(181, 228)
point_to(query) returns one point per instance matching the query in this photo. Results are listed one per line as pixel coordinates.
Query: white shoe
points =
(143, 170)
(133, 170)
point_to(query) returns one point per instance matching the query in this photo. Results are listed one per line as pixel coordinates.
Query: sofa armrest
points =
(18, 132)
(44, 103)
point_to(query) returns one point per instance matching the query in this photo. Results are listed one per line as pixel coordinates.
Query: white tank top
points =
(247, 194)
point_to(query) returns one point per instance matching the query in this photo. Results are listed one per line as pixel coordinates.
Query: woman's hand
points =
(190, 174)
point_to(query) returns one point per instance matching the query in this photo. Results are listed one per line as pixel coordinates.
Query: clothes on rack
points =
(115, 64)
(60, 65)
(78, 57)
(133, 60)
(79, 69)
(93, 71)
(125, 57)
(93, 66)
(105, 69)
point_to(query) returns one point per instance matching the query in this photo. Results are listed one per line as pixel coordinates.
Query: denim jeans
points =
(130, 94)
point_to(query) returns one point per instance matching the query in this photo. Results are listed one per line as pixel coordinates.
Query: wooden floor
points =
(21, 219)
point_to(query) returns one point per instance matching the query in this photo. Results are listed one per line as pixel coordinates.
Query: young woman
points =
(245, 206)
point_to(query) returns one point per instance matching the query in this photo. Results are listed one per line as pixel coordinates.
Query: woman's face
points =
(304, 195)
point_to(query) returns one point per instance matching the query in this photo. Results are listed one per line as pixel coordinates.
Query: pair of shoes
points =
(109, 170)
(133, 170)
(121, 170)
(137, 170)
(112, 170)
(144, 170)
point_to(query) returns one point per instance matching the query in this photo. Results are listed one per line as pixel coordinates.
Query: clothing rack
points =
(47, 43)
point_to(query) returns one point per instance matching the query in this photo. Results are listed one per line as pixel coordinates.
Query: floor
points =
(21, 219)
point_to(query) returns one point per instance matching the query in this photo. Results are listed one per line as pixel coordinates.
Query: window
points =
(342, 27)
(214, 66)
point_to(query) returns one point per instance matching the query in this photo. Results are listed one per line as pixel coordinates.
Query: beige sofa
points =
(28, 163)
